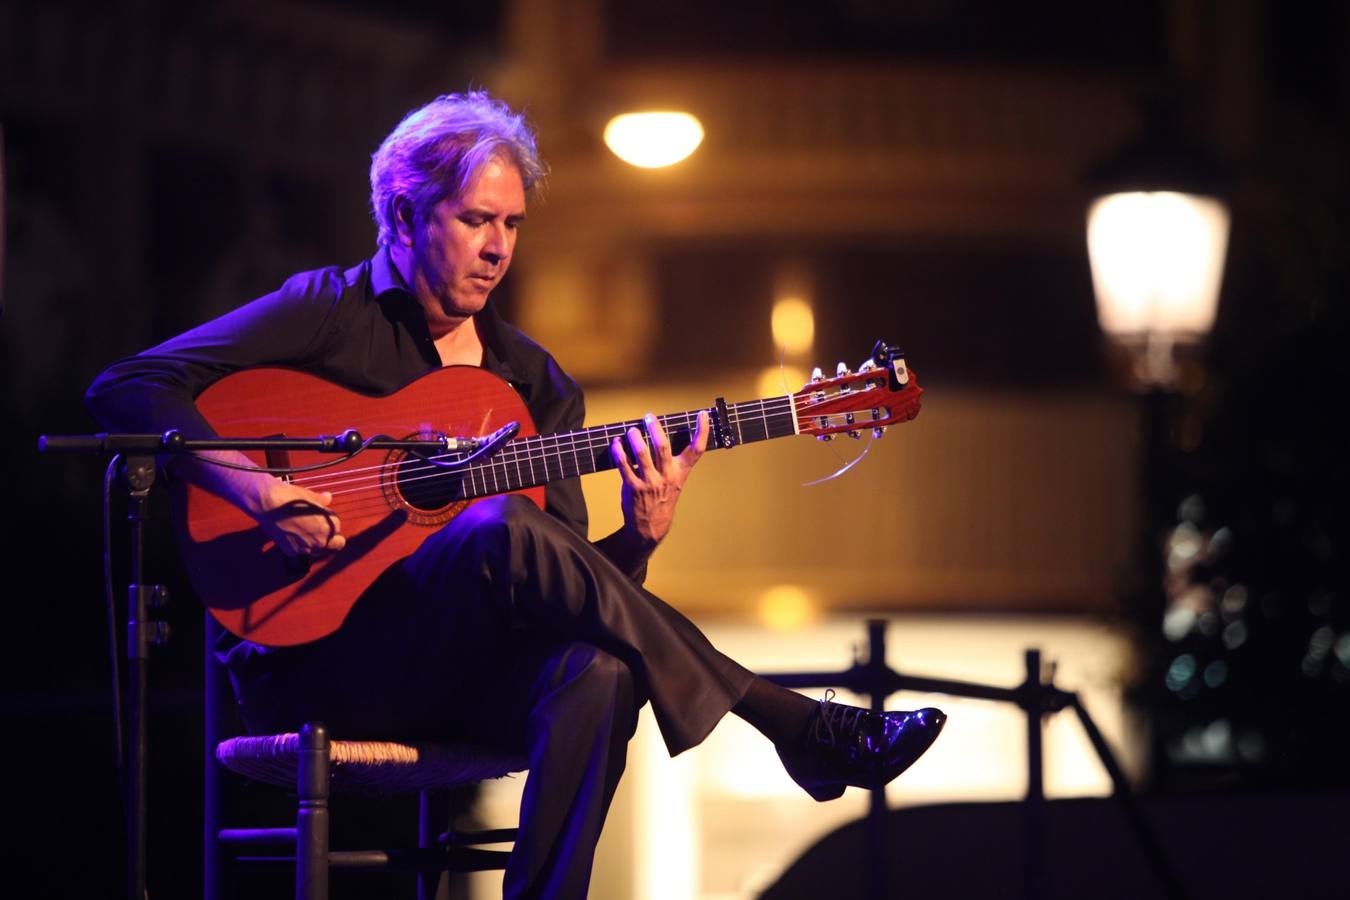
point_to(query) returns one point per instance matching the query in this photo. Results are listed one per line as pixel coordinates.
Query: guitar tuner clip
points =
(893, 360)
(458, 444)
(476, 448)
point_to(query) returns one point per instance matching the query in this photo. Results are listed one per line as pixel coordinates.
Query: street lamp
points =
(1157, 236)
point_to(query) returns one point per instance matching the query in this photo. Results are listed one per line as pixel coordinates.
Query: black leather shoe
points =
(850, 746)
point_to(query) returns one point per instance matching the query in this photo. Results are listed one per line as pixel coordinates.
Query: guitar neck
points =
(540, 459)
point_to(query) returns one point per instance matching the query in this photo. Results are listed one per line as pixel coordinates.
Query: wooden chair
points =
(313, 765)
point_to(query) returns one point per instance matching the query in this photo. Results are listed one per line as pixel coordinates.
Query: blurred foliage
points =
(1248, 672)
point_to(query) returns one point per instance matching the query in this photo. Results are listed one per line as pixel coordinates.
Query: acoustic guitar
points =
(388, 502)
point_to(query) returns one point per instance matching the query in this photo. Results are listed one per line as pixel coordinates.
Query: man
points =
(506, 626)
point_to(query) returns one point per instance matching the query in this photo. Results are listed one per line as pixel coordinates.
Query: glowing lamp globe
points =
(1157, 235)
(652, 140)
(1157, 263)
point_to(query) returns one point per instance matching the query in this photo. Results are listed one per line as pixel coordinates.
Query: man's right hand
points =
(298, 520)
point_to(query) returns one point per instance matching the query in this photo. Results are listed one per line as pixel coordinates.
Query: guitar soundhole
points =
(430, 494)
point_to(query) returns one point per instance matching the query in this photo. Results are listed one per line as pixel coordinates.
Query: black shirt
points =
(360, 328)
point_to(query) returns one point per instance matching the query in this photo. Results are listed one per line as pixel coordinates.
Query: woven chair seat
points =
(383, 766)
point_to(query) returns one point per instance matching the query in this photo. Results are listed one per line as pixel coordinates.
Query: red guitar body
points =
(246, 582)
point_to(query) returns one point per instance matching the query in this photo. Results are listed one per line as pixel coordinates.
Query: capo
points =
(722, 436)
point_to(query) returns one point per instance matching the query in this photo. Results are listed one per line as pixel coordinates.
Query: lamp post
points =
(1157, 236)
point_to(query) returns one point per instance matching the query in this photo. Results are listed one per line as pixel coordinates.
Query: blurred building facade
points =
(910, 170)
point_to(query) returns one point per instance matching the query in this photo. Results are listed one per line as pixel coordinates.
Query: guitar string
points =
(525, 451)
(769, 407)
(498, 468)
(504, 461)
(499, 472)
(372, 501)
(570, 442)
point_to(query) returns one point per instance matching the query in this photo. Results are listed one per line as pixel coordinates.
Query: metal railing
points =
(1037, 697)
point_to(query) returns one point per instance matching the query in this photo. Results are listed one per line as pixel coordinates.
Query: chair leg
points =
(215, 695)
(433, 814)
(311, 822)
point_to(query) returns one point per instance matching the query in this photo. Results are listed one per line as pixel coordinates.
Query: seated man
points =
(506, 601)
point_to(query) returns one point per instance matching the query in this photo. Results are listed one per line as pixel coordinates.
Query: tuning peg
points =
(824, 437)
(867, 365)
(817, 375)
(839, 372)
(878, 431)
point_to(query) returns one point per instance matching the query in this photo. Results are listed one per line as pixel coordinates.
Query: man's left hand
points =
(652, 488)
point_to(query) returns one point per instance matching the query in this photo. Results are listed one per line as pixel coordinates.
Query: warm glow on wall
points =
(777, 381)
(794, 325)
(1157, 261)
(651, 140)
(784, 607)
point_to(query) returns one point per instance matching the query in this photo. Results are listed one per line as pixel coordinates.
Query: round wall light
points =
(652, 140)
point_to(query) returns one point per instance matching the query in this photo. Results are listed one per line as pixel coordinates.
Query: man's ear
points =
(405, 216)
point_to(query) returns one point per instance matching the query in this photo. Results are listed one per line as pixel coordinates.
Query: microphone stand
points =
(139, 452)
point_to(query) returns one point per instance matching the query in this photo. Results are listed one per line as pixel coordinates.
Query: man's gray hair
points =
(438, 149)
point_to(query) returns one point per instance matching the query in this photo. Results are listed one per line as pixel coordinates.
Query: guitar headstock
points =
(883, 391)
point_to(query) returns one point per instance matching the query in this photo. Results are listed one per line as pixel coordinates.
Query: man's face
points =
(464, 246)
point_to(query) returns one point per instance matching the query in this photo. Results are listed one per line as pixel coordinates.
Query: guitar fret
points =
(531, 458)
(598, 454)
(754, 429)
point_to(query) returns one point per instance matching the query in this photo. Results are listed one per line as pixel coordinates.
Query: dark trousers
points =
(507, 629)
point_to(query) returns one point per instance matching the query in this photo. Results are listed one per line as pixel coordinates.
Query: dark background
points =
(121, 230)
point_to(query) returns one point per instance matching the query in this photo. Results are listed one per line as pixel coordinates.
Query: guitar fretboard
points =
(539, 459)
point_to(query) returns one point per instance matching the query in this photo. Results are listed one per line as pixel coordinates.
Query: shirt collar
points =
(385, 278)
(384, 275)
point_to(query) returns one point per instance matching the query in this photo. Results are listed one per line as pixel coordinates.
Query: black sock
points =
(776, 712)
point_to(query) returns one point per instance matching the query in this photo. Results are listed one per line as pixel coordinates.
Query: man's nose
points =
(497, 246)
